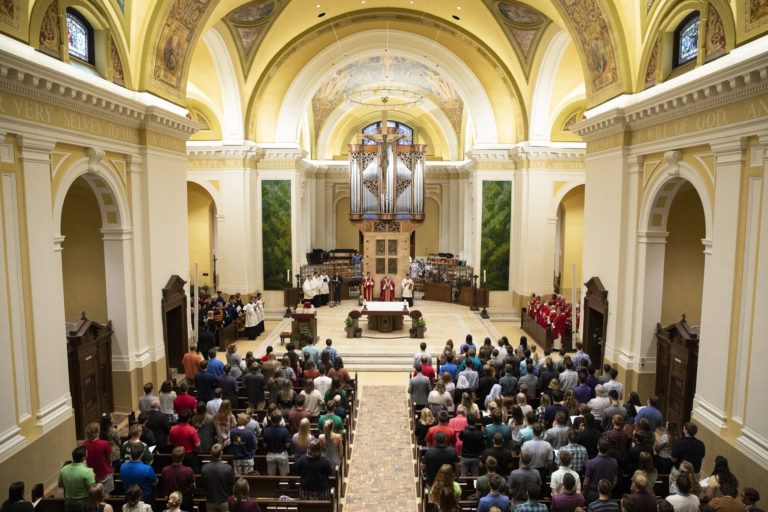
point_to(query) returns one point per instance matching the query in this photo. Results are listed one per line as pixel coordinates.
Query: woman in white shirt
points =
(598, 404)
(166, 397)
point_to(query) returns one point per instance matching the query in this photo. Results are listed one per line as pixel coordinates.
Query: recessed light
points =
(458, 7)
(318, 6)
(362, 2)
(321, 15)
(455, 17)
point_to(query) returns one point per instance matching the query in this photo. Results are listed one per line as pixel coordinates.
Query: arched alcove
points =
(85, 286)
(569, 241)
(201, 228)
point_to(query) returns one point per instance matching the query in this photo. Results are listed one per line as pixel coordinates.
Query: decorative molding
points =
(753, 445)
(55, 413)
(741, 74)
(58, 243)
(94, 156)
(707, 243)
(673, 160)
(652, 237)
(11, 443)
(28, 78)
(6, 153)
(708, 414)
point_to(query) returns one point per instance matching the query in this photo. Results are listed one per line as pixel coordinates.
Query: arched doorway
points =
(672, 240)
(82, 258)
(94, 241)
(202, 233)
(569, 243)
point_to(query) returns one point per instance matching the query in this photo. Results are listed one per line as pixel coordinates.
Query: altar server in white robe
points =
(251, 319)
(325, 289)
(259, 314)
(316, 300)
(407, 286)
(309, 290)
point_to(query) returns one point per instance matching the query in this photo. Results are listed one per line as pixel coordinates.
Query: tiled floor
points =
(381, 469)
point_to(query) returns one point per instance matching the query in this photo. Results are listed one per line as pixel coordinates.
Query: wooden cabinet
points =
(677, 357)
(595, 320)
(89, 354)
(467, 296)
(440, 292)
(174, 313)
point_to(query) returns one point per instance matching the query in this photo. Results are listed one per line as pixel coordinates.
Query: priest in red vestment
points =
(387, 289)
(368, 285)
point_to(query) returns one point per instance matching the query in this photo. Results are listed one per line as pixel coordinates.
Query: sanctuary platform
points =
(377, 351)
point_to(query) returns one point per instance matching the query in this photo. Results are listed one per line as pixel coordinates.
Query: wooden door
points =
(677, 355)
(174, 314)
(595, 317)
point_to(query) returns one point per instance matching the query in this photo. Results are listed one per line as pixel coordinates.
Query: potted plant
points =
(415, 316)
(412, 332)
(349, 327)
(421, 327)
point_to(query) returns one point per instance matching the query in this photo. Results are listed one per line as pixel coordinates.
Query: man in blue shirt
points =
(493, 499)
(205, 383)
(471, 356)
(215, 367)
(651, 413)
(449, 367)
(278, 441)
(135, 472)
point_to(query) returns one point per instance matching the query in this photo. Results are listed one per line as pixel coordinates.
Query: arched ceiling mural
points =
(377, 71)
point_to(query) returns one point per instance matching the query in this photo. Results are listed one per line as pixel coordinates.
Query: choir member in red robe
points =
(558, 326)
(368, 285)
(387, 289)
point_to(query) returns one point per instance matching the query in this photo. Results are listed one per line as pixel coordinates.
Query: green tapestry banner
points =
(495, 237)
(276, 232)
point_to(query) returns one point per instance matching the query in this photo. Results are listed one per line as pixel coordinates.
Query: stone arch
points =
(102, 19)
(304, 85)
(106, 185)
(560, 194)
(541, 124)
(231, 119)
(212, 191)
(661, 189)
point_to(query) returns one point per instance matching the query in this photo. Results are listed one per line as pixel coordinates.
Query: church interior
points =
(610, 151)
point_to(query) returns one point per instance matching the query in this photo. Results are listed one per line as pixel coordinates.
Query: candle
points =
(288, 275)
(484, 280)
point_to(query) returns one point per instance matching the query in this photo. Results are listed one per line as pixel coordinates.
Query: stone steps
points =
(378, 361)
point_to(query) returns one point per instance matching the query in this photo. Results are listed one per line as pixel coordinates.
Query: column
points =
(121, 311)
(753, 441)
(10, 440)
(719, 280)
(648, 293)
(46, 302)
(137, 177)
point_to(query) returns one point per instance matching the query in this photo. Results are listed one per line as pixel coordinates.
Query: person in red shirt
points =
(99, 457)
(442, 426)
(265, 357)
(185, 435)
(184, 402)
(178, 477)
(427, 370)
(191, 362)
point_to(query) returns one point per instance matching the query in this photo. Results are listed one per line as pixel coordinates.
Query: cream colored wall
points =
(684, 259)
(200, 229)
(428, 234)
(85, 288)
(573, 237)
(347, 235)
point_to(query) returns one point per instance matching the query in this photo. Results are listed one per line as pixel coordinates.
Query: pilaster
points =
(46, 304)
(719, 281)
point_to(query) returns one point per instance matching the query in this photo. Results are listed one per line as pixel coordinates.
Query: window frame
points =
(676, 42)
(90, 35)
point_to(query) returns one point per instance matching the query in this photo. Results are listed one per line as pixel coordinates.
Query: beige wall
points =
(428, 234)
(83, 255)
(200, 228)
(572, 236)
(347, 235)
(684, 259)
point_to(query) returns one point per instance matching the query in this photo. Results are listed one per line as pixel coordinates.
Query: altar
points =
(385, 316)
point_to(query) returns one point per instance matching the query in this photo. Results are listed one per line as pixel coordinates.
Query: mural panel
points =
(755, 14)
(496, 232)
(650, 71)
(523, 26)
(10, 13)
(50, 30)
(370, 71)
(183, 21)
(714, 45)
(276, 231)
(594, 36)
(249, 24)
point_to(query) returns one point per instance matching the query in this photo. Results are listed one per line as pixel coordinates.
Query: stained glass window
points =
(402, 129)
(687, 39)
(79, 36)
